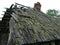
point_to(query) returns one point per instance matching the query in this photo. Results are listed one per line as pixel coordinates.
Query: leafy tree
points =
(52, 12)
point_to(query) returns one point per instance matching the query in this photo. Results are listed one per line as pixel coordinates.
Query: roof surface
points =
(28, 25)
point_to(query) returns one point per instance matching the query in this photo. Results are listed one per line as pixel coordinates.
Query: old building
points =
(26, 26)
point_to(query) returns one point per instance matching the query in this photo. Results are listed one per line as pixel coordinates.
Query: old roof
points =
(28, 25)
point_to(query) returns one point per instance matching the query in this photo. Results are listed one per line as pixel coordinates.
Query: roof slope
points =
(28, 25)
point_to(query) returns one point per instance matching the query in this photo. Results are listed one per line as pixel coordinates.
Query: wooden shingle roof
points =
(27, 25)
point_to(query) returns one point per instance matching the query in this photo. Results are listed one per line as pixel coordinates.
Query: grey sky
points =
(46, 4)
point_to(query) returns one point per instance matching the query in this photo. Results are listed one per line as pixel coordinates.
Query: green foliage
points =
(52, 12)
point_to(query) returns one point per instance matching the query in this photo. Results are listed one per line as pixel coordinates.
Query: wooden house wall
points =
(57, 42)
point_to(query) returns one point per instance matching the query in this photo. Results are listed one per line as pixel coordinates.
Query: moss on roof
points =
(28, 25)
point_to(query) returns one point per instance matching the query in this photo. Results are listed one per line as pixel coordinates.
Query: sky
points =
(46, 4)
